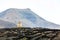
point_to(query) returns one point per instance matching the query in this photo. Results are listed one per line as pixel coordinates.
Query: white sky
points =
(47, 9)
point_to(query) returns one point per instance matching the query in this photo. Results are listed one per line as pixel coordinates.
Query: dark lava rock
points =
(29, 34)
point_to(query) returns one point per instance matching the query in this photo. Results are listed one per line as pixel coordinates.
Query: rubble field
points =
(29, 34)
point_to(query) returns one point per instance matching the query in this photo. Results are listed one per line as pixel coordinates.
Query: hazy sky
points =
(47, 9)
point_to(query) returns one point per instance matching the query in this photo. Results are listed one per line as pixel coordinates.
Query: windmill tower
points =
(19, 25)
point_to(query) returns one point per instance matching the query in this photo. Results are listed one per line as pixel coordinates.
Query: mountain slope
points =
(5, 24)
(27, 17)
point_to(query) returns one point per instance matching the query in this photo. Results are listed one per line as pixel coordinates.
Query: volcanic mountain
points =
(27, 17)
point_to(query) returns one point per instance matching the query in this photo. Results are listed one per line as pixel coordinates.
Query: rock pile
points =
(29, 34)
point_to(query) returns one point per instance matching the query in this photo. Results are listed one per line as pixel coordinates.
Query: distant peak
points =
(28, 9)
(18, 9)
(12, 9)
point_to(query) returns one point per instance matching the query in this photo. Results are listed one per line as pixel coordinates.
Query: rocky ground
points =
(29, 34)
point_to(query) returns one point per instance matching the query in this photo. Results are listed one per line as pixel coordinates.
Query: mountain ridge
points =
(26, 16)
